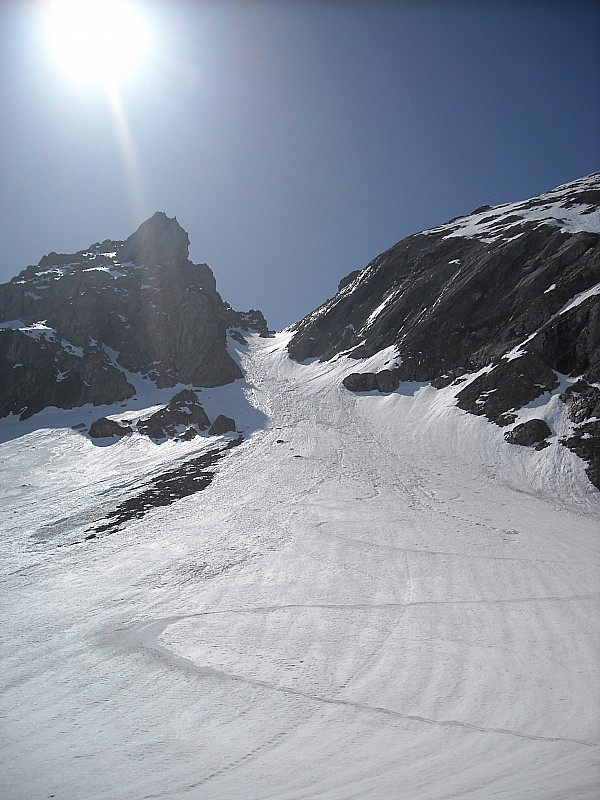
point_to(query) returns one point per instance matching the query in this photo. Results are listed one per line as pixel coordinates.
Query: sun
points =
(100, 42)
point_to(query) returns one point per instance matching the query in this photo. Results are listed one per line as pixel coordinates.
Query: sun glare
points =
(98, 42)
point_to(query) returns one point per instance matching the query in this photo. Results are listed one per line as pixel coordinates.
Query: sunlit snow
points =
(552, 208)
(377, 597)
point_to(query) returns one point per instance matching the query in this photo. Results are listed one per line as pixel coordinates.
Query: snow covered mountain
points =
(354, 594)
(503, 304)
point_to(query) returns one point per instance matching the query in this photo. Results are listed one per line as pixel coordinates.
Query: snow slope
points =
(377, 597)
(572, 208)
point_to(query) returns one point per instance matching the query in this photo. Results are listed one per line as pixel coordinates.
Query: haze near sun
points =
(97, 42)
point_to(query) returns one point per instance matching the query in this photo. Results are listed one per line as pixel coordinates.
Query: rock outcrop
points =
(74, 327)
(506, 300)
(386, 381)
(40, 370)
(508, 386)
(183, 416)
(534, 431)
(104, 428)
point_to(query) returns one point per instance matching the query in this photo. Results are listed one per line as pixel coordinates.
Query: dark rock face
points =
(222, 425)
(348, 279)
(454, 304)
(511, 290)
(534, 431)
(384, 381)
(104, 428)
(159, 241)
(38, 371)
(76, 323)
(182, 416)
(509, 386)
(252, 321)
(585, 442)
(583, 403)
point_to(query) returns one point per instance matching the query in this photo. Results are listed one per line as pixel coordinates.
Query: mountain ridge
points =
(505, 300)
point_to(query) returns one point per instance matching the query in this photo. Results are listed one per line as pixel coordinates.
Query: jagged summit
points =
(74, 326)
(159, 240)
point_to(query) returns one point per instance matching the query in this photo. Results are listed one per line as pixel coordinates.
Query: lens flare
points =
(98, 42)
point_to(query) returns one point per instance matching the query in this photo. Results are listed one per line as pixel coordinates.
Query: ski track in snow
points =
(376, 597)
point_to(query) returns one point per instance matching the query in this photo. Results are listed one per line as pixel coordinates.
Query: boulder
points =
(222, 425)
(385, 381)
(104, 428)
(534, 431)
(360, 382)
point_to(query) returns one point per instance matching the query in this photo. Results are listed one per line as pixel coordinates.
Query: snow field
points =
(375, 598)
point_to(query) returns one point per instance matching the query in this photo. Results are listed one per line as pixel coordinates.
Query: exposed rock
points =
(360, 382)
(449, 301)
(39, 371)
(159, 241)
(583, 401)
(186, 479)
(104, 428)
(508, 386)
(534, 431)
(348, 279)
(585, 442)
(222, 425)
(385, 381)
(456, 303)
(138, 306)
(511, 290)
(237, 336)
(252, 321)
(181, 415)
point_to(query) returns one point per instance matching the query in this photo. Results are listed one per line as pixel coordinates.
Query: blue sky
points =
(294, 141)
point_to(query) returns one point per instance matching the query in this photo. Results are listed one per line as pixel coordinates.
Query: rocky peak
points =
(74, 327)
(159, 240)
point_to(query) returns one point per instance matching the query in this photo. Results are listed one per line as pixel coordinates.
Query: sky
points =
(295, 141)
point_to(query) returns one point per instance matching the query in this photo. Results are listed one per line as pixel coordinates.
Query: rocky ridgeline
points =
(75, 325)
(505, 301)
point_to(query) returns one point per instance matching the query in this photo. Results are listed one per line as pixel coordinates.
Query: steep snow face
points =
(375, 595)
